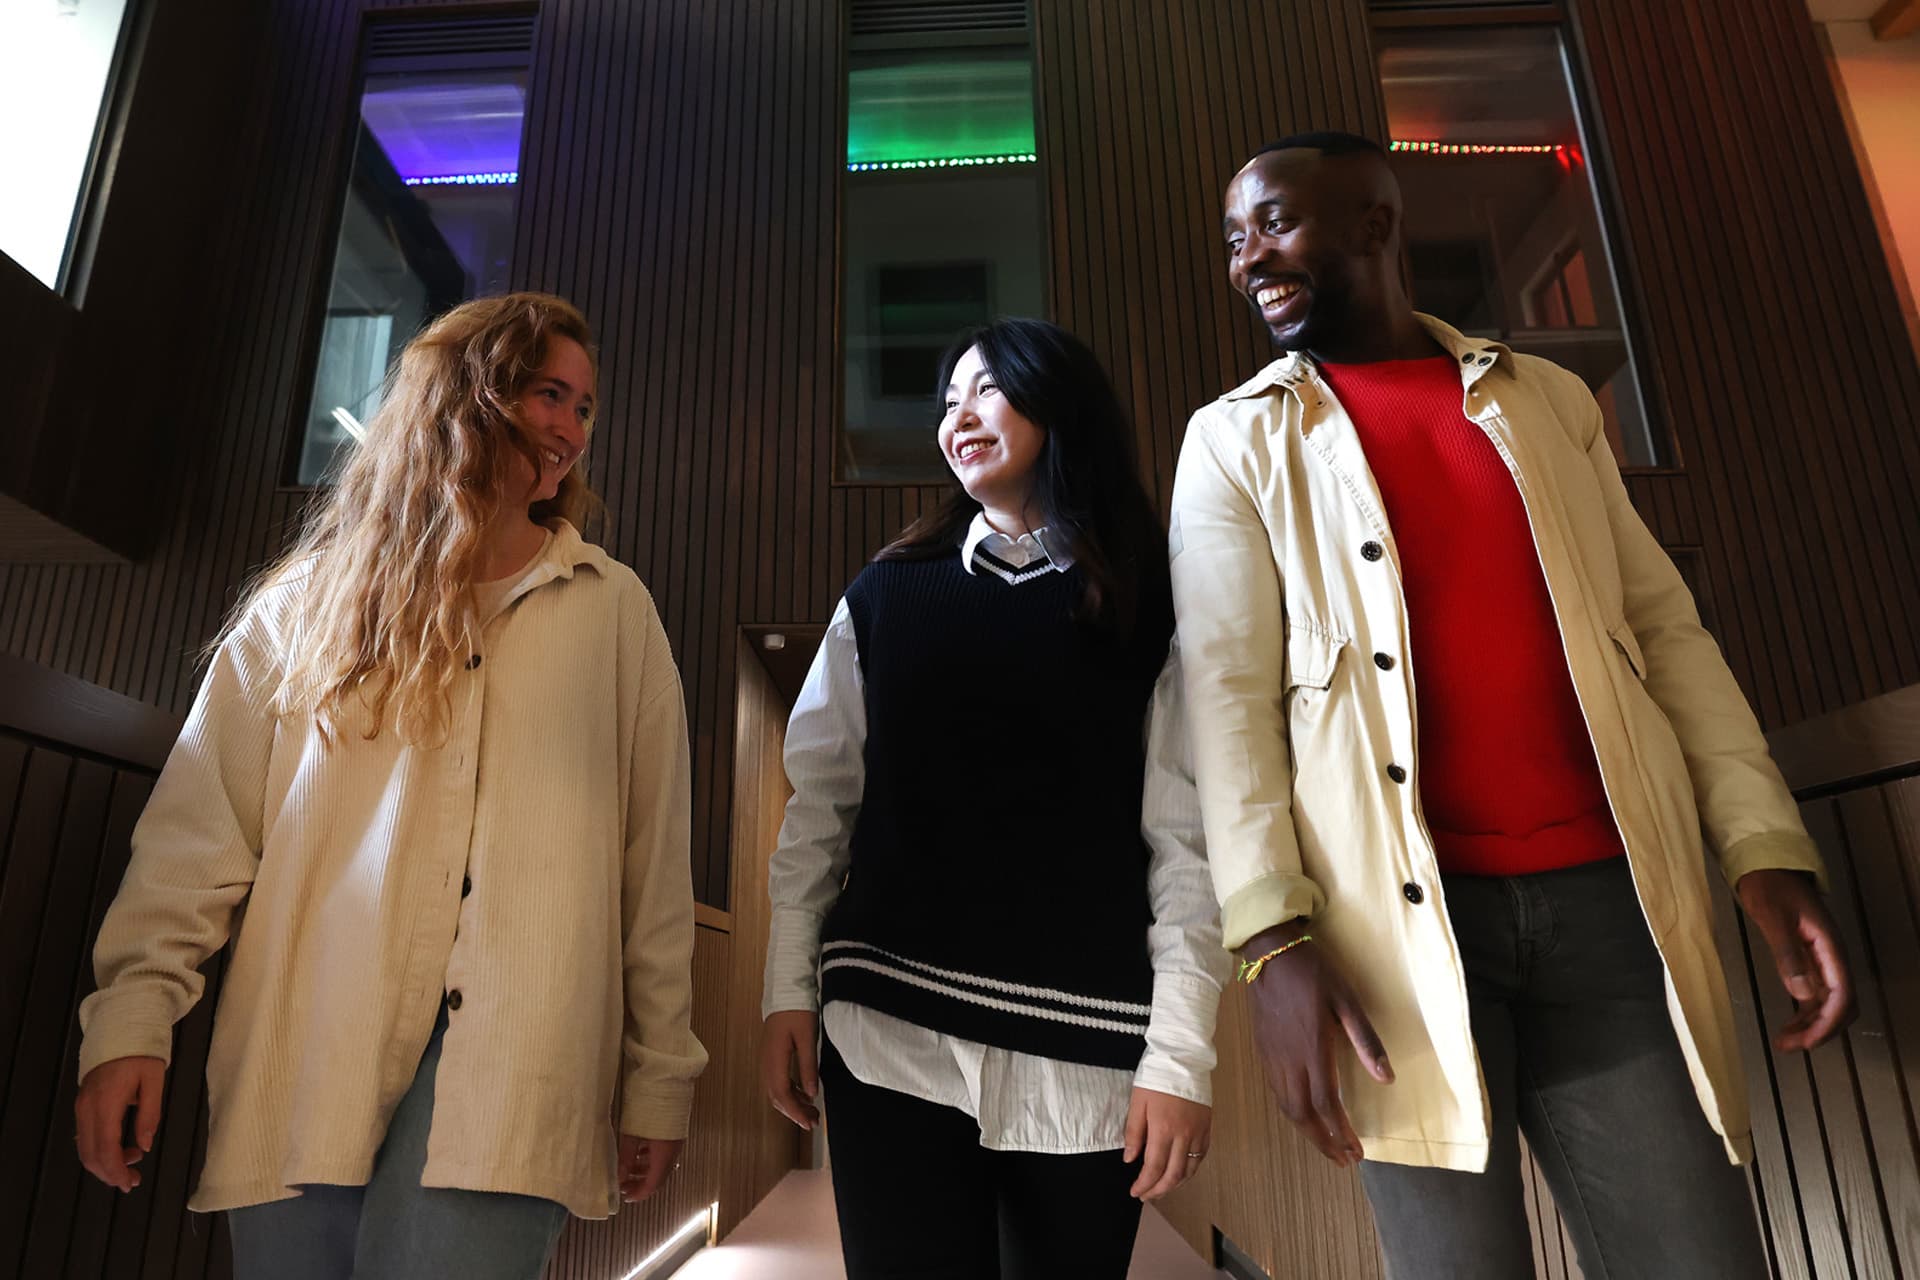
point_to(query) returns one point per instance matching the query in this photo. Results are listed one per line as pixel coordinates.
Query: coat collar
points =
(1474, 355)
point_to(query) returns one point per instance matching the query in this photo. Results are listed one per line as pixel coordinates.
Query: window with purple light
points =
(427, 223)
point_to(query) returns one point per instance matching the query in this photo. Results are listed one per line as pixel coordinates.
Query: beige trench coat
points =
(1285, 576)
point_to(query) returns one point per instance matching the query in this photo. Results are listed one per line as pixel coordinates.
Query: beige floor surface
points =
(792, 1235)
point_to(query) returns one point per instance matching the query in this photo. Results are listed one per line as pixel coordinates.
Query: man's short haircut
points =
(1328, 142)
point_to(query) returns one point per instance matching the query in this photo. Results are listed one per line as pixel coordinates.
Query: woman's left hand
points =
(1169, 1136)
(645, 1164)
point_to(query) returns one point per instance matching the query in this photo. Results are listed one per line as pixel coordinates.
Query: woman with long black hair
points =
(1018, 989)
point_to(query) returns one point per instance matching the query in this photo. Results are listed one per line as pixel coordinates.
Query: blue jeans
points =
(393, 1228)
(1568, 1001)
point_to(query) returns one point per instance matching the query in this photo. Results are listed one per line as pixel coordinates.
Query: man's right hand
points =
(100, 1115)
(787, 1058)
(1304, 1014)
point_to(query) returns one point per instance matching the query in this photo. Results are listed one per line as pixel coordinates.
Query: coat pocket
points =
(1312, 656)
(1629, 647)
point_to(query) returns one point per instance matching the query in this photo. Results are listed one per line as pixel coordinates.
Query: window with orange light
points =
(1505, 236)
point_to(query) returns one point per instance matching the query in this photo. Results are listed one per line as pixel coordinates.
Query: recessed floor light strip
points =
(674, 1250)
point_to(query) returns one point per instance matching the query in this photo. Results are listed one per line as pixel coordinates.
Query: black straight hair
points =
(1086, 479)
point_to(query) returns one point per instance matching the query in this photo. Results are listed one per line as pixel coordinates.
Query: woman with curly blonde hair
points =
(434, 789)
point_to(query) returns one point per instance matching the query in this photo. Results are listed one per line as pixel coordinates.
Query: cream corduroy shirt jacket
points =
(1286, 582)
(561, 796)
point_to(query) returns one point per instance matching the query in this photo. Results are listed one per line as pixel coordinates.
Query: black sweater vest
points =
(998, 885)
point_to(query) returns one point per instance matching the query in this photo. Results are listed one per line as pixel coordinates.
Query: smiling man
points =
(1475, 903)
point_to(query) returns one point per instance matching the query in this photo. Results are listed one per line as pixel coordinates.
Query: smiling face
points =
(1310, 242)
(556, 408)
(991, 448)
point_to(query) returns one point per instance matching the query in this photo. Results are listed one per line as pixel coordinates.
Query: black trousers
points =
(920, 1199)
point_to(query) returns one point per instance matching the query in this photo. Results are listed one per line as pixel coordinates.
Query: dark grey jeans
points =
(1569, 1011)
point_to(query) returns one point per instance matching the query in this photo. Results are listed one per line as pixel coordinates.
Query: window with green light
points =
(942, 217)
(940, 111)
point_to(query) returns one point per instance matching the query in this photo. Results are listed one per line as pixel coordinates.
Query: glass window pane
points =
(55, 60)
(939, 108)
(428, 224)
(942, 231)
(1504, 237)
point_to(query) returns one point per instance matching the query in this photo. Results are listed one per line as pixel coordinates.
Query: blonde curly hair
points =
(385, 564)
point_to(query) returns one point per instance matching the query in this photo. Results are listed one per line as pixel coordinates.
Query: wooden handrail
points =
(1868, 742)
(43, 703)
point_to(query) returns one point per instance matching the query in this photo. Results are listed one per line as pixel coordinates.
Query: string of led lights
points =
(1404, 145)
(499, 179)
(1479, 148)
(1409, 146)
(942, 162)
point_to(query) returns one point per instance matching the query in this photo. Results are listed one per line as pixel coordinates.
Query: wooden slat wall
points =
(1147, 110)
(1773, 335)
(67, 811)
(761, 1145)
(1264, 1186)
(1553, 1249)
(1837, 1174)
(680, 182)
(65, 819)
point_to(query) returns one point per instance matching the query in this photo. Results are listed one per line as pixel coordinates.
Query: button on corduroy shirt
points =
(561, 797)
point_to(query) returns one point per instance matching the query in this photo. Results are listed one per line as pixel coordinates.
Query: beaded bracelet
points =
(1250, 969)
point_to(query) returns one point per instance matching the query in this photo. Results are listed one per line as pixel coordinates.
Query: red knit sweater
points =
(1506, 770)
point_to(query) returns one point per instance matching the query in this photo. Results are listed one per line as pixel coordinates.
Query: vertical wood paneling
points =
(680, 181)
(1837, 1173)
(1553, 1255)
(760, 1144)
(1794, 423)
(66, 820)
(1147, 110)
(1264, 1186)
